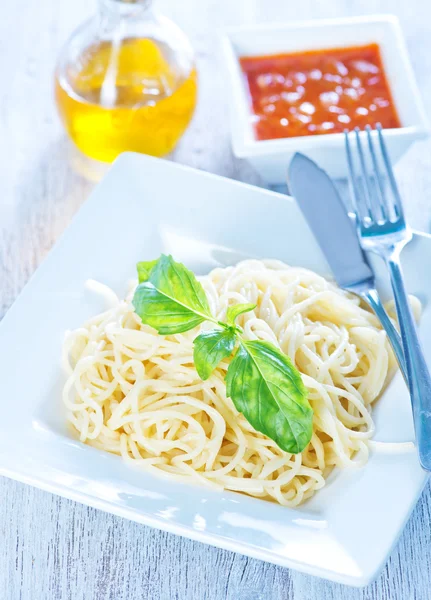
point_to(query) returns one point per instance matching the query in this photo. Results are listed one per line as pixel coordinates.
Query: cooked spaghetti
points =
(135, 393)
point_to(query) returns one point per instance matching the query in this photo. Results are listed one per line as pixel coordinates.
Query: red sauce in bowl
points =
(318, 92)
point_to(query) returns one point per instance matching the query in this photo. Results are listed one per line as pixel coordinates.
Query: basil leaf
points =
(210, 348)
(172, 300)
(265, 386)
(144, 269)
(238, 309)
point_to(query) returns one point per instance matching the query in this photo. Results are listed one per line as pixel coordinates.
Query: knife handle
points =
(373, 299)
(417, 369)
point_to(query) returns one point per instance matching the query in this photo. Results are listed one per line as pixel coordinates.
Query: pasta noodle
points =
(135, 393)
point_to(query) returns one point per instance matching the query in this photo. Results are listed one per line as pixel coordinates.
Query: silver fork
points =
(383, 230)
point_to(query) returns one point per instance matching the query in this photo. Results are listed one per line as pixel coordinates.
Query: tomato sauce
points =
(318, 92)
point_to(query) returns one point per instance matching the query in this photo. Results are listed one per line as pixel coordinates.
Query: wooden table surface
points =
(53, 548)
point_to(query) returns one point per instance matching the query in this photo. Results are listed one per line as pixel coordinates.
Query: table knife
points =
(335, 232)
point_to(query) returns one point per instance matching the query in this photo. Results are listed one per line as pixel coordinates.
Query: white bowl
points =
(271, 157)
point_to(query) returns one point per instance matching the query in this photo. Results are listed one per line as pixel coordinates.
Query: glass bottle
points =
(126, 80)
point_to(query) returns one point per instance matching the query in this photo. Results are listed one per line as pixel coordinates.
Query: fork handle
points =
(417, 371)
(373, 299)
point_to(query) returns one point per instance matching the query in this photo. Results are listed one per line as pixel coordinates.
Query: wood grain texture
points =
(55, 549)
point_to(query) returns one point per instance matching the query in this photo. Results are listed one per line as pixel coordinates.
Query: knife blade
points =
(326, 215)
(335, 232)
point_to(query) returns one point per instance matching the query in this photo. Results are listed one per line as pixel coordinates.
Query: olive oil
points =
(127, 93)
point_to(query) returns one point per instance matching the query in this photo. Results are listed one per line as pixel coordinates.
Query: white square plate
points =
(143, 207)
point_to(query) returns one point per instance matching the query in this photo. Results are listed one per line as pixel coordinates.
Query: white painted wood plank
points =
(52, 548)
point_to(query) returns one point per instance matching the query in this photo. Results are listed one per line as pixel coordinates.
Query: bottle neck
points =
(124, 8)
(121, 16)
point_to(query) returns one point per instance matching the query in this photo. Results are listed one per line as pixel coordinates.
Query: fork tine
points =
(397, 202)
(358, 206)
(379, 183)
(366, 182)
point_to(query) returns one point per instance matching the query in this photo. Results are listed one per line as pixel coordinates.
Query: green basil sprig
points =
(210, 348)
(144, 269)
(262, 382)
